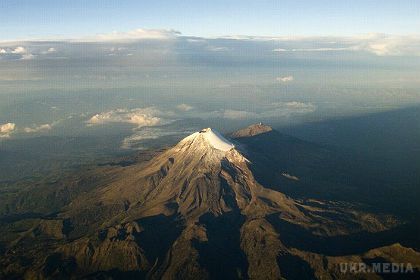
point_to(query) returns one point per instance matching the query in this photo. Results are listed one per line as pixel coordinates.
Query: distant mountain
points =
(252, 130)
(207, 208)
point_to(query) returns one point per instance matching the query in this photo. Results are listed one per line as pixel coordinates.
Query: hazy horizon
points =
(161, 76)
(231, 63)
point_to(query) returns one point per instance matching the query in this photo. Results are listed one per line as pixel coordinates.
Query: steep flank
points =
(189, 179)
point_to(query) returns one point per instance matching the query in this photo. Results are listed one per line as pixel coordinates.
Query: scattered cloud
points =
(139, 117)
(39, 128)
(19, 50)
(7, 129)
(49, 51)
(184, 107)
(136, 141)
(27, 56)
(285, 79)
(132, 142)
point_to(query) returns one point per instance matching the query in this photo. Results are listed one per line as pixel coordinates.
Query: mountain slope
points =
(196, 211)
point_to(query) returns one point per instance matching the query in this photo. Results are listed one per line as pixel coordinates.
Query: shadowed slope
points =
(196, 211)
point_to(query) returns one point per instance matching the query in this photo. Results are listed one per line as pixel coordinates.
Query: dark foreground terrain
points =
(271, 207)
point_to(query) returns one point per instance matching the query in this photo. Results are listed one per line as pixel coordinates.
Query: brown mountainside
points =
(197, 211)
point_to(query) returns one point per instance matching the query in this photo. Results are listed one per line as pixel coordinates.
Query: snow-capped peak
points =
(209, 137)
(216, 140)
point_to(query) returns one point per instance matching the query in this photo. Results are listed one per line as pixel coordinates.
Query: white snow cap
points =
(217, 140)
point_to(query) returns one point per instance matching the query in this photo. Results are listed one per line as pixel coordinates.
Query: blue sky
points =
(22, 19)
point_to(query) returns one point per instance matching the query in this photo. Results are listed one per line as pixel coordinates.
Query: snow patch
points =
(217, 140)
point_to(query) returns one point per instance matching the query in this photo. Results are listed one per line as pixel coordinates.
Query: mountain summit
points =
(215, 139)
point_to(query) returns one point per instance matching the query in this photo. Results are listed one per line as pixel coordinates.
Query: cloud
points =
(375, 43)
(285, 79)
(280, 50)
(114, 36)
(387, 45)
(139, 117)
(19, 50)
(133, 35)
(7, 129)
(149, 123)
(197, 40)
(27, 56)
(132, 141)
(184, 107)
(113, 51)
(217, 49)
(49, 51)
(39, 128)
(317, 49)
(137, 140)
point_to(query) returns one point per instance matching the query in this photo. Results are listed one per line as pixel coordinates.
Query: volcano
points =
(203, 210)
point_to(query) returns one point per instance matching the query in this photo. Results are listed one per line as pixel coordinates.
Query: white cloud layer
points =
(139, 117)
(133, 35)
(316, 49)
(375, 43)
(7, 129)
